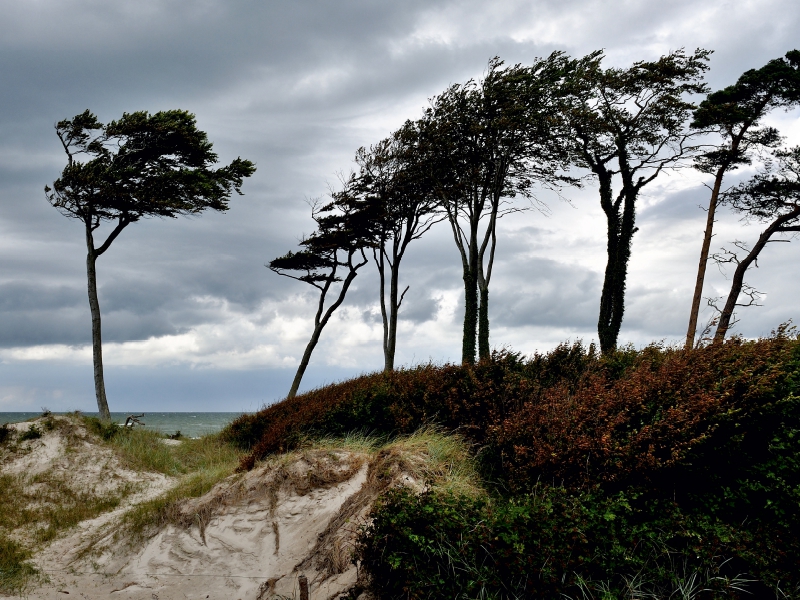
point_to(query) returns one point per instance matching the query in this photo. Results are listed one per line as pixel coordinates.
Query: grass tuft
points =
(15, 573)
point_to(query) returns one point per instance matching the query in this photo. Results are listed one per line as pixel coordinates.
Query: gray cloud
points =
(297, 87)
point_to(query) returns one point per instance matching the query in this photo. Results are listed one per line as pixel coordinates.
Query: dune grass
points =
(16, 574)
(197, 463)
(145, 450)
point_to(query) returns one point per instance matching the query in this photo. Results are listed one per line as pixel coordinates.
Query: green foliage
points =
(104, 429)
(547, 544)
(6, 433)
(15, 572)
(714, 430)
(33, 433)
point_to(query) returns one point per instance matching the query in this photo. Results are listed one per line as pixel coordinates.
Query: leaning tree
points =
(139, 166)
(771, 197)
(485, 142)
(329, 260)
(394, 183)
(735, 113)
(629, 125)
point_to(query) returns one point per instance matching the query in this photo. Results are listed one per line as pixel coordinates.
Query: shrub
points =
(547, 544)
(103, 429)
(33, 433)
(568, 416)
(6, 433)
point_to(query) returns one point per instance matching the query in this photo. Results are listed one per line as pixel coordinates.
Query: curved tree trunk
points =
(301, 369)
(738, 275)
(97, 342)
(320, 321)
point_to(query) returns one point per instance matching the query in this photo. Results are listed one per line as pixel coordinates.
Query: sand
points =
(249, 538)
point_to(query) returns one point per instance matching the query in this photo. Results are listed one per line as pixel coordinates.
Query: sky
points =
(192, 319)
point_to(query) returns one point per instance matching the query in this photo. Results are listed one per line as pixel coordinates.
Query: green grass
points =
(45, 504)
(36, 508)
(15, 573)
(198, 463)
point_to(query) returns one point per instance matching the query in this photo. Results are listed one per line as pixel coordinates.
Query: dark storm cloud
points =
(297, 87)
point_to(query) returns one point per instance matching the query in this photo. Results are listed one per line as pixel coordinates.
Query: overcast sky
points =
(192, 319)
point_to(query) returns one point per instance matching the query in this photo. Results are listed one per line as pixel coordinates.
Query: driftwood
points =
(133, 420)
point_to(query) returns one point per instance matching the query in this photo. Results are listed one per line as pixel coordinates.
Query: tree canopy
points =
(631, 124)
(139, 166)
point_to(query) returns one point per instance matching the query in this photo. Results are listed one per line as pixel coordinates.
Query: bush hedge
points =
(707, 442)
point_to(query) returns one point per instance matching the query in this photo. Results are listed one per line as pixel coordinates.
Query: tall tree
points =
(391, 178)
(735, 113)
(333, 254)
(140, 166)
(630, 124)
(487, 142)
(771, 197)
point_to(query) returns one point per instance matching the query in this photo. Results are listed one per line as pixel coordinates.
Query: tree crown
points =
(139, 166)
(735, 111)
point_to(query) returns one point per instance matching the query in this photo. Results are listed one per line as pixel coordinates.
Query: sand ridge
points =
(250, 537)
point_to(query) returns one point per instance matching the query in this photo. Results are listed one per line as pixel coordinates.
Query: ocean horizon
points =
(190, 424)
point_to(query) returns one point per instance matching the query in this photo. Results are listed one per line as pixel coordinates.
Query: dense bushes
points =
(547, 544)
(568, 416)
(702, 445)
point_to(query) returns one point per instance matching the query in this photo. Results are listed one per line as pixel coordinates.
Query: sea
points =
(190, 424)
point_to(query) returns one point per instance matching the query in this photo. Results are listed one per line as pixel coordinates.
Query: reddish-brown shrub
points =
(569, 416)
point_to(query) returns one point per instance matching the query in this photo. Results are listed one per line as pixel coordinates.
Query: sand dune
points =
(249, 538)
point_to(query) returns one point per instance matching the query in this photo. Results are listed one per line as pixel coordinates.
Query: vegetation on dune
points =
(35, 508)
(665, 468)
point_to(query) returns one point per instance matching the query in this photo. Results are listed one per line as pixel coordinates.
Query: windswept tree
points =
(771, 197)
(329, 261)
(486, 142)
(628, 126)
(393, 182)
(140, 166)
(735, 113)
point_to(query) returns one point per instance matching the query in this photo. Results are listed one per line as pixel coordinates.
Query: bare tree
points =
(771, 197)
(735, 113)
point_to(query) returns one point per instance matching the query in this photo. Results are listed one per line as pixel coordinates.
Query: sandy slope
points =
(250, 537)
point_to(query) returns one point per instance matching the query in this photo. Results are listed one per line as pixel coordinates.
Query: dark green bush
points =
(548, 544)
(104, 429)
(6, 433)
(33, 433)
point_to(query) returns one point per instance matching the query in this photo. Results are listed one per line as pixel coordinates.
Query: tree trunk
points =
(379, 261)
(738, 275)
(470, 316)
(97, 343)
(701, 268)
(301, 369)
(608, 338)
(394, 307)
(483, 323)
(620, 235)
(319, 323)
